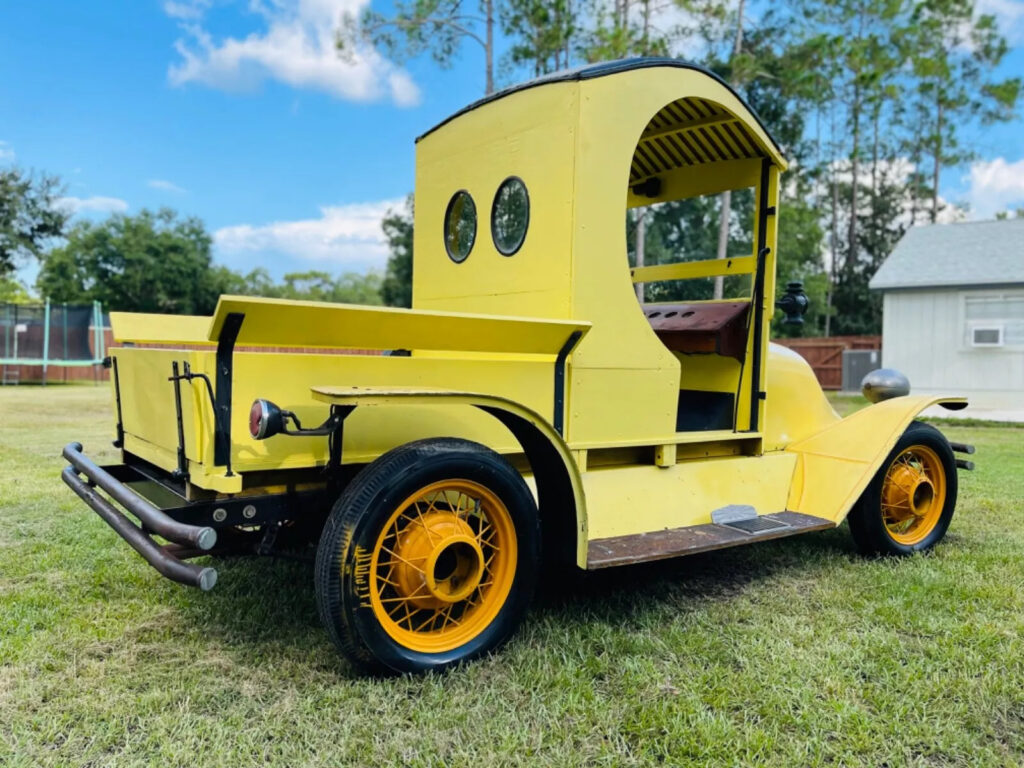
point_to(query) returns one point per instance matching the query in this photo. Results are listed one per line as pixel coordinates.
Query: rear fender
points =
(835, 465)
(559, 487)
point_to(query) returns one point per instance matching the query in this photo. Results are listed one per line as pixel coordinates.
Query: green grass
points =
(789, 653)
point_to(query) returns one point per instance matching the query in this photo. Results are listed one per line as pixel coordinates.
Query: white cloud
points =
(95, 204)
(995, 185)
(348, 236)
(165, 186)
(186, 11)
(296, 47)
(1009, 15)
(6, 153)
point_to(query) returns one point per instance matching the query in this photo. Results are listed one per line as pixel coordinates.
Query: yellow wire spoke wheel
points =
(908, 505)
(913, 494)
(443, 566)
(429, 557)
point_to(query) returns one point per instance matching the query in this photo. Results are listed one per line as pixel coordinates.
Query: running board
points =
(674, 542)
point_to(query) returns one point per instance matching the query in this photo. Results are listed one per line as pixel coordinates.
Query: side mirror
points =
(794, 303)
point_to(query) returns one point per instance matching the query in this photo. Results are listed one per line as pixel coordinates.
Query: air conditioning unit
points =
(987, 336)
(858, 363)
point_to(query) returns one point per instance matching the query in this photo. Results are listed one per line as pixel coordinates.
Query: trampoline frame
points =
(45, 361)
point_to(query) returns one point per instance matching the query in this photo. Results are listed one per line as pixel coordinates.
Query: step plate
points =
(756, 525)
(675, 542)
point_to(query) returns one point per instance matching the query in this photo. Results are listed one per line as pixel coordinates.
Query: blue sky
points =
(240, 113)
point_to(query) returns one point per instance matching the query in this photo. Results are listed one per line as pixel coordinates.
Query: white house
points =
(953, 310)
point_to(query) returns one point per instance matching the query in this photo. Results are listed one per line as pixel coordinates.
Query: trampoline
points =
(48, 336)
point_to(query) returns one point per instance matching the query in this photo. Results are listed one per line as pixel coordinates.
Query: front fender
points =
(835, 465)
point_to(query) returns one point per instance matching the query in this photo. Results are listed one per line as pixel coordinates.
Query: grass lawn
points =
(789, 653)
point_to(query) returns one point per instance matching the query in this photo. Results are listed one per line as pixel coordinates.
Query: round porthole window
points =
(460, 226)
(510, 216)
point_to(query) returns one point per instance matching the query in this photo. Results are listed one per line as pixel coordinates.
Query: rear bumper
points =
(84, 476)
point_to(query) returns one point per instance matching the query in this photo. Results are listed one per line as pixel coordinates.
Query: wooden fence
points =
(826, 354)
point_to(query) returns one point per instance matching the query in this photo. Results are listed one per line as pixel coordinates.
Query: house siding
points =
(924, 335)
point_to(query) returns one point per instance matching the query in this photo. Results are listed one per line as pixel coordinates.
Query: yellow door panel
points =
(627, 500)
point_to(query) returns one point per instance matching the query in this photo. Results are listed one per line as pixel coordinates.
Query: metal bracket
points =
(222, 404)
(119, 442)
(188, 375)
(181, 473)
(558, 420)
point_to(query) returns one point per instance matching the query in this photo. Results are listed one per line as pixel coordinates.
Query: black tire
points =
(356, 526)
(867, 525)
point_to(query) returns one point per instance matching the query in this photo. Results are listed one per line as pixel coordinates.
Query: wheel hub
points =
(908, 492)
(913, 495)
(439, 560)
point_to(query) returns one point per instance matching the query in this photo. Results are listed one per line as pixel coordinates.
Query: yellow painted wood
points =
(532, 135)
(675, 438)
(282, 323)
(632, 499)
(693, 182)
(665, 455)
(139, 327)
(688, 270)
(391, 396)
(369, 432)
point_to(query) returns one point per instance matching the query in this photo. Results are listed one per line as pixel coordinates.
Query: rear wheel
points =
(909, 504)
(428, 558)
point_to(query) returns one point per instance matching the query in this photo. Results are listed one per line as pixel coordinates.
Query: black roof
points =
(590, 71)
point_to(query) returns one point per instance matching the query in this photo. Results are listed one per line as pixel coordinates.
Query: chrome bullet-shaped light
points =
(883, 384)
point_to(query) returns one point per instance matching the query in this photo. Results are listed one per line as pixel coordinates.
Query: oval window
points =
(460, 226)
(510, 215)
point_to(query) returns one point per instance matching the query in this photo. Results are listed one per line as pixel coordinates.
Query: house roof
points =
(966, 253)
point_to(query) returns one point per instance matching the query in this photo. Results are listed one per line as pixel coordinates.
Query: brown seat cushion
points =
(718, 327)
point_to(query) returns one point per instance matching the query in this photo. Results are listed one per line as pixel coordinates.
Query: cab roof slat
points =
(678, 147)
(644, 164)
(702, 155)
(744, 150)
(755, 150)
(677, 161)
(664, 164)
(721, 146)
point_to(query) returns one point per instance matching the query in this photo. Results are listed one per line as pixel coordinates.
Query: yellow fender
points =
(835, 465)
(555, 472)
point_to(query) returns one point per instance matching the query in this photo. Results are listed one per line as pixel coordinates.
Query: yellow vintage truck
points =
(528, 413)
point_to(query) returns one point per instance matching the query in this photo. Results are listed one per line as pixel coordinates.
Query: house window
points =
(994, 321)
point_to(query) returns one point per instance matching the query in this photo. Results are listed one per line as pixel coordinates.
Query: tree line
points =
(153, 261)
(874, 102)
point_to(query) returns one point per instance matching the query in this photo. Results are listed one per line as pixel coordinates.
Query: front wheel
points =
(909, 504)
(428, 558)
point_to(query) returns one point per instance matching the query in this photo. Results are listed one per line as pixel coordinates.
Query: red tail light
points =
(265, 419)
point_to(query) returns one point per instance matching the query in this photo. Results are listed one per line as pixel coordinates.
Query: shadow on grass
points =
(617, 593)
(260, 599)
(262, 603)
